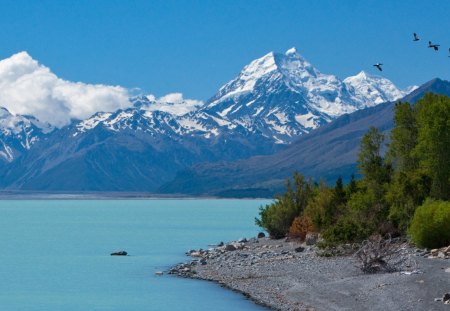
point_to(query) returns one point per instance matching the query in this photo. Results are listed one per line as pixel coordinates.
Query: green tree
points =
(277, 217)
(433, 147)
(370, 160)
(404, 138)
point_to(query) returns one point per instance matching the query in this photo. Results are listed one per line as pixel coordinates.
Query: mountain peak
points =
(292, 51)
(260, 66)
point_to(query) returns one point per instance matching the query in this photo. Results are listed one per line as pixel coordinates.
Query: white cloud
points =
(173, 103)
(27, 87)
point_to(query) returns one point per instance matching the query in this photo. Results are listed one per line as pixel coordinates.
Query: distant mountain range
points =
(326, 153)
(272, 103)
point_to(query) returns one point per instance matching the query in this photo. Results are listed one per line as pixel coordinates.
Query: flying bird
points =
(434, 46)
(378, 65)
(416, 37)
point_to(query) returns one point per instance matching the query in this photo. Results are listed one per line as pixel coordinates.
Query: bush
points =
(277, 218)
(300, 227)
(430, 226)
(346, 230)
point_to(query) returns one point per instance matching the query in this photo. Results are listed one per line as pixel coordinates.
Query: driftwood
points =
(384, 255)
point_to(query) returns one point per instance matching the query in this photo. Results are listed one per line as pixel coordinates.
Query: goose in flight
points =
(434, 46)
(378, 65)
(416, 37)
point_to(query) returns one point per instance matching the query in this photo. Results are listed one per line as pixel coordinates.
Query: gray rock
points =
(299, 249)
(261, 235)
(242, 240)
(311, 238)
(446, 297)
(230, 248)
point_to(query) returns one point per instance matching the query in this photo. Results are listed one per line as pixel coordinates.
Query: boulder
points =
(299, 249)
(311, 238)
(446, 297)
(230, 247)
(120, 253)
(242, 240)
(261, 235)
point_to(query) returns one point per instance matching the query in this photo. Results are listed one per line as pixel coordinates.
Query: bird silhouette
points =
(378, 65)
(416, 37)
(434, 46)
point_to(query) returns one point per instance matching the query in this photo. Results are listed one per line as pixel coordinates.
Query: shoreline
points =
(287, 275)
(37, 195)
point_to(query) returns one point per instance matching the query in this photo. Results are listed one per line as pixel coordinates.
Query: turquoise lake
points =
(55, 254)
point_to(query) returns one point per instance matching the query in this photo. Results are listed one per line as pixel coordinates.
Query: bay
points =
(55, 254)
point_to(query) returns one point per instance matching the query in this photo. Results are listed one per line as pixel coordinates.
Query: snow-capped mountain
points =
(18, 133)
(148, 140)
(371, 90)
(282, 96)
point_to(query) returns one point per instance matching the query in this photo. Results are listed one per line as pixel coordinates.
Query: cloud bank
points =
(27, 87)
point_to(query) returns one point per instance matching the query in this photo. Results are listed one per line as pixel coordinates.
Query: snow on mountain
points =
(19, 133)
(371, 90)
(281, 96)
(278, 96)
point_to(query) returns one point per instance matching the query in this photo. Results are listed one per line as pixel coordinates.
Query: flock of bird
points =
(416, 38)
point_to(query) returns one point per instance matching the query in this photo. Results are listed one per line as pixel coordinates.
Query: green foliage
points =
(433, 147)
(407, 191)
(386, 198)
(277, 217)
(430, 226)
(370, 161)
(346, 230)
(321, 209)
(404, 137)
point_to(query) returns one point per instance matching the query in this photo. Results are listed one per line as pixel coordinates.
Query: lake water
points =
(55, 254)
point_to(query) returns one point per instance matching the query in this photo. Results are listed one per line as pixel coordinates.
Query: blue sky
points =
(194, 47)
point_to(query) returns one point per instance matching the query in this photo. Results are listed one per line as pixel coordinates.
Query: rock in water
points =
(261, 235)
(120, 253)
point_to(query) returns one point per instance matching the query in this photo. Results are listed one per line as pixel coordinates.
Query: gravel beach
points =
(287, 275)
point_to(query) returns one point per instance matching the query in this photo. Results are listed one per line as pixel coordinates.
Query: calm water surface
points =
(55, 254)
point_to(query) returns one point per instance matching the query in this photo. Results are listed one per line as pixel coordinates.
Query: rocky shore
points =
(288, 275)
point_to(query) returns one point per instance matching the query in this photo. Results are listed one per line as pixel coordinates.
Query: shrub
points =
(300, 227)
(430, 226)
(346, 230)
(277, 218)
